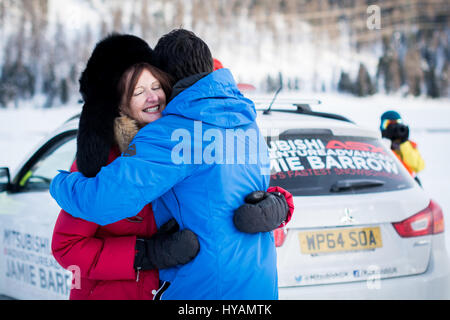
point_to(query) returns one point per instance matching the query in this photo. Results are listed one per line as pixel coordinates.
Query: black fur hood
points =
(98, 87)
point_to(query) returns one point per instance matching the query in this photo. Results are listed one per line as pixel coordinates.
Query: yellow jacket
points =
(410, 156)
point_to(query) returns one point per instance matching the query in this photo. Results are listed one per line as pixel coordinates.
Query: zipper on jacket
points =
(137, 275)
(140, 279)
(158, 294)
(283, 227)
(135, 219)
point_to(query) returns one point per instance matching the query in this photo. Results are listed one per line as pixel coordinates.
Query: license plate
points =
(335, 240)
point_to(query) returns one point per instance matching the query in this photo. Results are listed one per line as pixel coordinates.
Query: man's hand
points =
(262, 212)
(166, 248)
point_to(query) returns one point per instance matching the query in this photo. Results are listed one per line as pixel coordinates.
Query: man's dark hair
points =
(182, 54)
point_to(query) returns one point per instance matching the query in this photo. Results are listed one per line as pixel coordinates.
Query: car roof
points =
(70, 124)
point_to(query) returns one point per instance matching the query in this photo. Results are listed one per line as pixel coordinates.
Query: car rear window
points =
(309, 164)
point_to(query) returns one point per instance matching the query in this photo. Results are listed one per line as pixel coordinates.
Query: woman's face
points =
(148, 100)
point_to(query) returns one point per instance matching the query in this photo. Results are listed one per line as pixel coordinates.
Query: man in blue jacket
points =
(196, 164)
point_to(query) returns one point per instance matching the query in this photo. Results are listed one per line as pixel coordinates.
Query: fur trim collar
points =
(125, 129)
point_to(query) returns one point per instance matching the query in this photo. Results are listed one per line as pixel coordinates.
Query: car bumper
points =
(432, 284)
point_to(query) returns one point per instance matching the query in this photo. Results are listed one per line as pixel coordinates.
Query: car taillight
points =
(279, 235)
(428, 221)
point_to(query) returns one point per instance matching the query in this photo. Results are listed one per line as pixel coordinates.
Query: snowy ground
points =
(429, 120)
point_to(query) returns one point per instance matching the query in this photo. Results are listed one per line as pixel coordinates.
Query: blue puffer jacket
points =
(196, 163)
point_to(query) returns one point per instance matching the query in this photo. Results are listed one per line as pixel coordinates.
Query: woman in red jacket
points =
(108, 260)
(103, 257)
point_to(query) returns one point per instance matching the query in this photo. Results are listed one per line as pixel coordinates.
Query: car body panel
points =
(28, 269)
(433, 284)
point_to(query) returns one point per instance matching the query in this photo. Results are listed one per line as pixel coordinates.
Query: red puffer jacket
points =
(103, 256)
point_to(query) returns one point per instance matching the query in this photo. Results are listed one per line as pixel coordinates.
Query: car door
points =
(27, 217)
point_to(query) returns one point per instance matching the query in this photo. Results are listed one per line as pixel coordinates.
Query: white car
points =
(362, 227)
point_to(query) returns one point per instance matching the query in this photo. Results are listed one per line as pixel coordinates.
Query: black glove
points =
(166, 248)
(262, 212)
(396, 132)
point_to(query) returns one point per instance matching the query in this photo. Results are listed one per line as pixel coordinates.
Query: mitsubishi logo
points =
(347, 218)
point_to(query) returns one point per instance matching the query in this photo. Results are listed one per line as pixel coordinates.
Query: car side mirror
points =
(5, 179)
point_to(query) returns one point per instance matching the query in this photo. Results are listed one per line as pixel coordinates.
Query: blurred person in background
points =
(217, 64)
(393, 128)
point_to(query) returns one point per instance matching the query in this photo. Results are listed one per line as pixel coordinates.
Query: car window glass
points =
(59, 157)
(324, 164)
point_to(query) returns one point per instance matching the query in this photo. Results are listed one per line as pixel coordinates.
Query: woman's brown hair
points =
(131, 76)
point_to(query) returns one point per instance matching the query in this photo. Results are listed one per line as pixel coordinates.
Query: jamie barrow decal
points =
(28, 261)
(314, 157)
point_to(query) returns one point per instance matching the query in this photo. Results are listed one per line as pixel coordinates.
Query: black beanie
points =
(111, 57)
